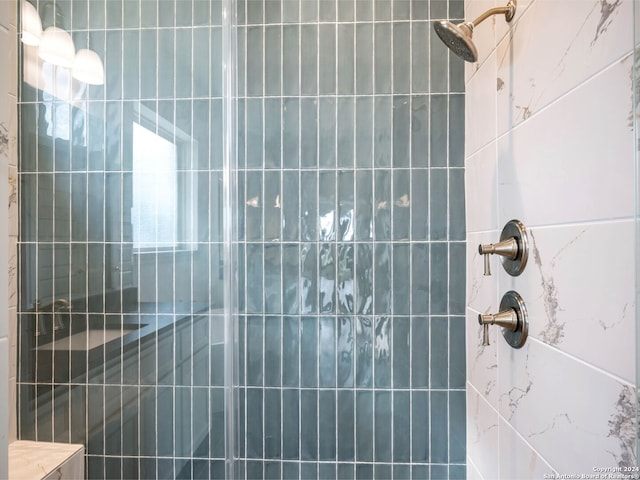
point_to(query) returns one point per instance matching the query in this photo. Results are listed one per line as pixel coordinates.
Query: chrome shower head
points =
(459, 37)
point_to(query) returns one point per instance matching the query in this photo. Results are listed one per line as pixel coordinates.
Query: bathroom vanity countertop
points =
(44, 460)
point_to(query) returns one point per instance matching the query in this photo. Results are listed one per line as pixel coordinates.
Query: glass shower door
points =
(124, 269)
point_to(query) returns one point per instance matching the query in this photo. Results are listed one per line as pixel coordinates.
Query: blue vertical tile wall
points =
(351, 233)
(149, 403)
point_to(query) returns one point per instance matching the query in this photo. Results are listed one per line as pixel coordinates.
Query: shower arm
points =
(509, 11)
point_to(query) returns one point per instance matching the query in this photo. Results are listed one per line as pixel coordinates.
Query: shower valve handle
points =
(507, 248)
(513, 247)
(512, 317)
(507, 319)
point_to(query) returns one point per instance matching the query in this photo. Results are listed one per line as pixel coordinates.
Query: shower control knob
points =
(512, 317)
(513, 247)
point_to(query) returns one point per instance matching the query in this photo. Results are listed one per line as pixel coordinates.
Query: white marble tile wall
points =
(9, 227)
(550, 141)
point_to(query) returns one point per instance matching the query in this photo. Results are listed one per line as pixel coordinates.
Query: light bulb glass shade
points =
(88, 67)
(31, 24)
(56, 47)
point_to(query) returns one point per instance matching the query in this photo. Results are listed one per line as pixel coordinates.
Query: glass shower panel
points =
(351, 242)
(636, 129)
(122, 296)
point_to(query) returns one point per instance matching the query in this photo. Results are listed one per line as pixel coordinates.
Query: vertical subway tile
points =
(327, 352)
(382, 351)
(401, 278)
(419, 198)
(438, 127)
(290, 207)
(382, 205)
(364, 58)
(309, 58)
(401, 425)
(327, 275)
(401, 212)
(457, 258)
(346, 59)
(272, 420)
(401, 59)
(401, 131)
(327, 56)
(456, 134)
(439, 413)
(308, 279)
(345, 433)
(420, 278)
(290, 59)
(254, 132)
(382, 278)
(346, 212)
(290, 351)
(364, 140)
(290, 424)
(166, 41)
(290, 282)
(272, 133)
(327, 205)
(345, 132)
(290, 132)
(254, 63)
(383, 128)
(309, 424)
(456, 342)
(382, 57)
(382, 433)
(420, 133)
(308, 352)
(419, 352)
(308, 205)
(273, 59)
(420, 435)
(272, 11)
(439, 352)
(272, 274)
(345, 352)
(438, 204)
(401, 358)
(364, 351)
(364, 10)
(346, 11)
(309, 133)
(327, 133)
(364, 426)
(420, 65)
(255, 415)
(364, 205)
(439, 278)
(327, 425)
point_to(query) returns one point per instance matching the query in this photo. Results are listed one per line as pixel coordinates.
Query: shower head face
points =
(458, 39)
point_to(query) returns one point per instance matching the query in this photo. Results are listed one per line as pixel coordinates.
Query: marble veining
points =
(606, 10)
(4, 139)
(634, 77)
(515, 395)
(480, 430)
(555, 422)
(13, 188)
(554, 330)
(622, 426)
